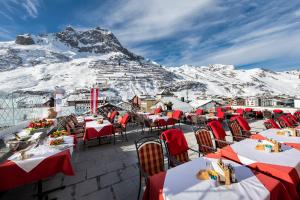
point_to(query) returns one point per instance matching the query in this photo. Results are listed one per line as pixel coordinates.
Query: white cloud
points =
(144, 20)
(31, 6)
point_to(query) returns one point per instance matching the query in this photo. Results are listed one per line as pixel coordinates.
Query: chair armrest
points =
(194, 150)
(208, 147)
(224, 142)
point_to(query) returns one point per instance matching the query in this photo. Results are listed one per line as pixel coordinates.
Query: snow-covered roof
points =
(177, 104)
(198, 103)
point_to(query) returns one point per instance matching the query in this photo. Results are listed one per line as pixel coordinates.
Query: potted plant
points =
(169, 105)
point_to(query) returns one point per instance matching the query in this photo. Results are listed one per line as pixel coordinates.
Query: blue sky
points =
(262, 33)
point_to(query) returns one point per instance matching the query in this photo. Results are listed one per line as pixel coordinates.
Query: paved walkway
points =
(106, 171)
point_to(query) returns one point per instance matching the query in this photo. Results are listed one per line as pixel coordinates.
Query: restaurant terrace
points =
(106, 152)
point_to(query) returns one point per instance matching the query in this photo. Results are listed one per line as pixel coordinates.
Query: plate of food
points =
(56, 142)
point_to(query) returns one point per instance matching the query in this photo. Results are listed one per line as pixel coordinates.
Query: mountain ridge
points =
(79, 58)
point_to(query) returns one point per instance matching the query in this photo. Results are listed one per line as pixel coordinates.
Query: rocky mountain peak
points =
(96, 40)
(24, 39)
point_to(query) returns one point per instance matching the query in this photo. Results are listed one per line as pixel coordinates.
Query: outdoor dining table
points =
(46, 161)
(94, 130)
(272, 134)
(181, 182)
(91, 118)
(283, 165)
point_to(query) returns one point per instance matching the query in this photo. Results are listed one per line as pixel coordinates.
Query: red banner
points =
(94, 100)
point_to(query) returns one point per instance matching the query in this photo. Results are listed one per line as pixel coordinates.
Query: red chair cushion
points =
(219, 109)
(175, 140)
(220, 115)
(177, 114)
(199, 111)
(125, 119)
(157, 111)
(293, 118)
(286, 121)
(240, 111)
(277, 111)
(274, 124)
(248, 109)
(217, 129)
(242, 122)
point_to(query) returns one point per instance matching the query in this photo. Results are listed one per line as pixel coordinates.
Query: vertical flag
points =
(94, 100)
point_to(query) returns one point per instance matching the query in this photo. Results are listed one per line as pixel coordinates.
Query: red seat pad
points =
(219, 109)
(294, 120)
(113, 115)
(248, 109)
(125, 119)
(240, 111)
(157, 111)
(274, 124)
(177, 114)
(286, 121)
(220, 115)
(277, 111)
(199, 111)
(217, 129)
(242, 122)
(175, 140)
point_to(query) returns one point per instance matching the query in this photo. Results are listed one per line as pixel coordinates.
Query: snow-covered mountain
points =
(77, 59)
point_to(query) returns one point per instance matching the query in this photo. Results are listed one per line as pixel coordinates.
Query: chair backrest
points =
(271, 124)
(125, 119)
(227, 108)
(219, 109)
(277, 111)
(150, 155)
(267, 114)
(199, 111)
(112, 116)
(217, 129)
(291, 119)
(177, 114)
(297, 115)
(204, 138)
(240, 111)
(235, 128)
(284, 122)
(248, 109)
(242, 122)
(175, 141)
(220, 115)
(157, 111)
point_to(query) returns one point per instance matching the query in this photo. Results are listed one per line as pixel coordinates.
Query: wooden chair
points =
(271, 124)
(205, 142)
(150, 158)
(236, 131)
(219, 133)
(181, 154)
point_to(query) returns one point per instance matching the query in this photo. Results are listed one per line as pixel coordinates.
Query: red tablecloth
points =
(154, 188)
(11, 175)
(91, 133)
(288, 175)
(260, 137)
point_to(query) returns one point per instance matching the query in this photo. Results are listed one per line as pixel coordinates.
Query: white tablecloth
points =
(272, 133)
(40, 153)
(96, 125)
(247, 154)
(181, 183)
(158, 117)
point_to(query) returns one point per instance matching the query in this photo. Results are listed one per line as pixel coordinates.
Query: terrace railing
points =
(19, 107)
